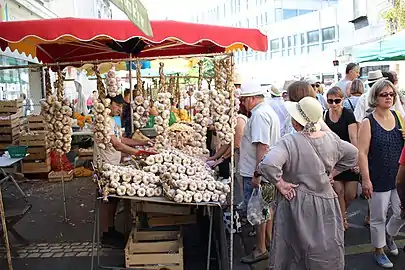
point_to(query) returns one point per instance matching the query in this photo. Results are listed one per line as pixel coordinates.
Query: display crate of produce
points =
(33, 138)
(37, 153)
(35, 122)
(11, 106)
(37, 166)
(154, 250)
(85, 154)
(57, 176)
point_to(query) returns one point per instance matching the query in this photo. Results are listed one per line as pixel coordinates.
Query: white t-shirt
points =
(362, 106)
(262, 127)
(109, 155)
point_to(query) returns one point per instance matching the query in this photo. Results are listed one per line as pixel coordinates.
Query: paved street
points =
(57, 245)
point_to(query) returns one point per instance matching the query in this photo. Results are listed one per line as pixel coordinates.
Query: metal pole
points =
(131, 95)
(232, 95)
(63, 190)
(81, 63)
(5, 232)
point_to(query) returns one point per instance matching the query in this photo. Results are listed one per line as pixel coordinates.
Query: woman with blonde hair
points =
(356, 90)
(308, 228)
(379, 152)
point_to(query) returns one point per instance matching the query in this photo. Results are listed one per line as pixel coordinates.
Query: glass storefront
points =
(13, 82)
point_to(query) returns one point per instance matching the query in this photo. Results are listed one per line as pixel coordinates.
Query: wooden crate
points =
(12, 120)
(36, 166)
(36, 138)
(154, 250)
(11, 106)
(57, 176)
(181, 210)
(160, 220)
(36, 122)
(37, 153)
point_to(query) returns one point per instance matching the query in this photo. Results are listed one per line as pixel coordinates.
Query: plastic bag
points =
(256, 208)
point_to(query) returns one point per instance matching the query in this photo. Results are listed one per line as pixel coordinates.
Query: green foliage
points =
(395, 17)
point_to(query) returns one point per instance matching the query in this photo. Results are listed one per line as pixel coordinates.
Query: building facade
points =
(304, 36)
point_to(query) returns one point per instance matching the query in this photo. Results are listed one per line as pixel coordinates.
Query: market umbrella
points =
(76, 39)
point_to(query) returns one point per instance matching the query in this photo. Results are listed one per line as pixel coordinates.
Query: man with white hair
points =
(262, 131)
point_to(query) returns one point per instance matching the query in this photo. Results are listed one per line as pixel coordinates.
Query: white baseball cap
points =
(251, 88)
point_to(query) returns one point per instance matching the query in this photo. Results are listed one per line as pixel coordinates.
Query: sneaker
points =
(113, 239)
(392, 247)
(383, 261)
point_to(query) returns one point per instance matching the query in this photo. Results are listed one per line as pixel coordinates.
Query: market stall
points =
(176, 174)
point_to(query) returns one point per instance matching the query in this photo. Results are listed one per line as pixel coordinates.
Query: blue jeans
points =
(247, 189)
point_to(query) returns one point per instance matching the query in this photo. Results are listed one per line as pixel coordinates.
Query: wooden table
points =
(210, 206)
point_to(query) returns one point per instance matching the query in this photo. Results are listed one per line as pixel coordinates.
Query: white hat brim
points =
(296, 115)
(251, 94)
(376, 80)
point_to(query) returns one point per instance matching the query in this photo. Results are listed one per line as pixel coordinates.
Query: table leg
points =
(9, 176)
(94, 234)
(210, 216)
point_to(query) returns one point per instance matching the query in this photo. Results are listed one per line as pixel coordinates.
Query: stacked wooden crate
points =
(11, 113)
(39, 160)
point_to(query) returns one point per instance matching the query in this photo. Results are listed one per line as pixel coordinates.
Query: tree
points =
(208, 70)
(395, 17)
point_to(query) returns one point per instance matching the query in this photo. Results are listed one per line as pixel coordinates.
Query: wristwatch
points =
(257, 174)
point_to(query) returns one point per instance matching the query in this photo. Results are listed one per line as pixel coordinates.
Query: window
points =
(247, 23)
(304, 11)
(296, 41)
(278, 14)
(302, 39)
(313, 36)
(274, 44)
(283, 42)
(313, 48)
(328, 34)
(257, 21)
(289, 13)
(289, 41)
(265, 18)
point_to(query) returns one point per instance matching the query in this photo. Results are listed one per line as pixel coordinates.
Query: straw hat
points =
(238, 78)
(275, 91)
(307, 112)
(251, 88)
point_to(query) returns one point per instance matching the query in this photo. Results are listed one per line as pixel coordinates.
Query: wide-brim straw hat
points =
(307, 112)
(374, 76)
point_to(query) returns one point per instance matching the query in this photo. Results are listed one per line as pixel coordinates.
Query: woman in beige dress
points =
(308, 227)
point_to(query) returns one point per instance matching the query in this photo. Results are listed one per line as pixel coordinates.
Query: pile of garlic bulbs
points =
(102, 123)
(141, 112)
(129, 181)
(201, 120)
(58, 118)
(186, 178)
(113, 83)
(162, 105)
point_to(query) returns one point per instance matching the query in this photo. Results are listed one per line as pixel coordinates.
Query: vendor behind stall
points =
(113, 156)
(126, 113)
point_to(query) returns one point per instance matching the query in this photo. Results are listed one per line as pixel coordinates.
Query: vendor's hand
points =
(331, 180)
(210, 158)
(256, 182)
(367, 189)
(217, 162)
(150, 143)
(287, 189)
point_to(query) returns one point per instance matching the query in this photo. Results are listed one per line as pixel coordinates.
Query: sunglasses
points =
(336, 101)
(315, 85)
(384, 95)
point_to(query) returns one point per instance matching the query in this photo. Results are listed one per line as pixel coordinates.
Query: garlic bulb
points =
(127, 180)
(112, 83)
(140, 111)
(201, 120)
(59, 127)
(185, 178)
(162, 105)
(102, 124)
(221, 101)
